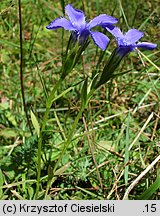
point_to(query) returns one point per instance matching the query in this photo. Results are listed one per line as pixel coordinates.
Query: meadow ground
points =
(114, 150)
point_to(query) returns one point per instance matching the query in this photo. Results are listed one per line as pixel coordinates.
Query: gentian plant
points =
(81, 31)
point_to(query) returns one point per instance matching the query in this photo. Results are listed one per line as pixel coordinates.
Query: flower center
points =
(123, 42)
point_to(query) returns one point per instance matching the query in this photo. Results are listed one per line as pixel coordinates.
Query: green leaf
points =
(151, 190)
(84, 93)
(35, 123)
(63, 93)
(93, 83)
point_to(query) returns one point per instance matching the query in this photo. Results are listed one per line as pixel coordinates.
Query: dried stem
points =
(133, 184)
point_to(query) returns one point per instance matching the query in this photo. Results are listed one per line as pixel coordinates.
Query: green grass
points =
(118, 136)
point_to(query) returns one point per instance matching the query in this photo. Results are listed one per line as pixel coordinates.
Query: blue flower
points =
(81, 29)
(128, 41)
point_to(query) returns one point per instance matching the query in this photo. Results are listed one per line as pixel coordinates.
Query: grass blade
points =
(151, 190)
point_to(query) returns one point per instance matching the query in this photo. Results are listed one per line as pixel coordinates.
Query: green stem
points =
(66, 144)
(69, 139)
(48, 106)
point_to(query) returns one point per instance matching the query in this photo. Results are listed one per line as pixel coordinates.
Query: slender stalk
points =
(66, 144)
(67, 67)
(22, 66)
(69, 139)
(48, 106)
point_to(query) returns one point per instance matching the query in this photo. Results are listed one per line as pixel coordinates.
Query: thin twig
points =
(21, 66)
(93, 157)
(139, 177)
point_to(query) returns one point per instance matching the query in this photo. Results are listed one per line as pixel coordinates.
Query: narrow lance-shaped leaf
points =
(84, 93)
(151, 190)
(35, 123)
